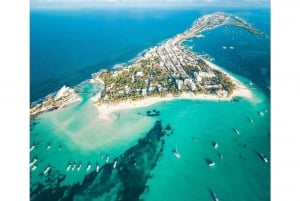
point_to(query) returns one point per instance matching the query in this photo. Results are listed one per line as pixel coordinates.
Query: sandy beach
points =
(241, 90)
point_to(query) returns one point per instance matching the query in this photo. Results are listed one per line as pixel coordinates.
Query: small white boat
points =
(48, 147)
(79, 167)
(236, 131)
(33, 162)
(216, 198)
(224, 47)
(261, 113)
(231, 47)
(47, 170)
(263, 157)
(115, 164)
(33, 168)
(74, 166)
(32, 147)
(88, 167)
(215, 145)
(107, 159)
(68, 167)
(250, 120)
(97, 168)
(220, 155)
(210, 163)
(176, 153)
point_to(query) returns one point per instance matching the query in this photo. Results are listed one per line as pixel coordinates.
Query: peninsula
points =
(170, 71)
(165, 72)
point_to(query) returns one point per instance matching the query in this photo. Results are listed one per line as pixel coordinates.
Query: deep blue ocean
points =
(66, 47)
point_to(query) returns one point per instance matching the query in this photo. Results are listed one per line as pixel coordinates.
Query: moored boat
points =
(176, 153)
(48, 168)
(236, 131)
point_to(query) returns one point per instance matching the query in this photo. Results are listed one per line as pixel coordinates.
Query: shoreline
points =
(105, 110)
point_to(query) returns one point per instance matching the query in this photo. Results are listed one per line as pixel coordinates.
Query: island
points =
(165, 72)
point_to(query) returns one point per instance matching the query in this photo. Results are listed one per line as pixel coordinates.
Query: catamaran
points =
(176, 153)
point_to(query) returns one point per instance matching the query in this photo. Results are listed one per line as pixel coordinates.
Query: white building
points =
(190, 84)
(179, 84)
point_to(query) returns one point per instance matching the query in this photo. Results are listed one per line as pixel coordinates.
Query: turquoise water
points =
(241, 175)
(142, 145)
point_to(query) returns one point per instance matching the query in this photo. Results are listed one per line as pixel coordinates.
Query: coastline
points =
(105, 110)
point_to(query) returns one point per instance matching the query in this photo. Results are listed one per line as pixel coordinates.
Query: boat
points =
(176, 153)
(107, 159)
(33, 168)
(88, 167)
(74, 166)
(210, 163)
(115, 164)
(220, 155)
(33, 162)
(215, 197)
(97, 168)
(49, 146)
(32, 147)
(79, 166)
(261, 113)
(215, 144)
(69, 167)
(47, 169)
(250, 120)
(263, 157)
(236, 131)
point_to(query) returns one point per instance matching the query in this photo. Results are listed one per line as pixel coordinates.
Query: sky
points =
(146, 3)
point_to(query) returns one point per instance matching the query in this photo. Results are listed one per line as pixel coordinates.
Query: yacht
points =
(88, 167)
(176, 153)
(115, 164)
(47, 169)
(236, 131)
